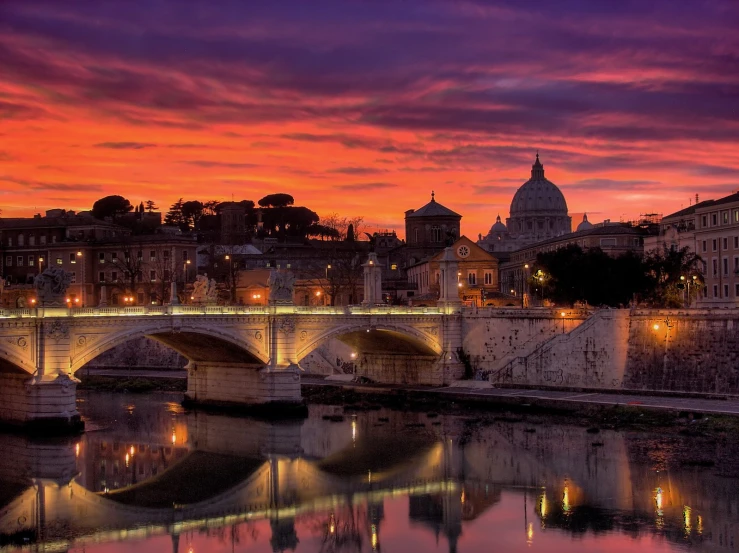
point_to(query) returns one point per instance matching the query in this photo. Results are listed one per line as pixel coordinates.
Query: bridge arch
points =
(385, 335)
(196, 343)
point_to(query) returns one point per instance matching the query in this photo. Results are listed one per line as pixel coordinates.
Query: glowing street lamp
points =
(562, 314)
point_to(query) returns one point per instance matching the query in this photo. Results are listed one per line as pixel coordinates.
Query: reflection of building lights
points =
(369, 476)
(543, 505)
(530, 533)
(462, 498)
(686, 518)
(374, 537)
(128, 458)
(77, 450)
(131, 451)
(658, 500)
(699, 524)
(655, 326)
(566, 499)
(174, 436)
(332, 524)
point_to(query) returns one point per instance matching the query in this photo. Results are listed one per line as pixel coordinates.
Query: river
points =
(150, 477)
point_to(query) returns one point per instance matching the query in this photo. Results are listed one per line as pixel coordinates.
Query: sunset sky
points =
(364, 107)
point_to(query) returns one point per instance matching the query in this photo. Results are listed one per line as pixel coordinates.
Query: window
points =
(715, 267)
(607, 242)
(488, 277)
(394, 267)
(73, 277)
(736, 265)
(114, 276)
(472, 278)
(31, 261)
(736, 290)
(726, 243)
(715, 290)
(726, 290)
(140, 257)
(726, 266)
(31, 240)
(114, 256)
(436, 234)
(59, 261)
(725, 217)
(153, 298)
(736, 215)
(43, 240)
(53, 239)
(153, 276)
(714, 219)
(101, 276)
(10, 241)
(165, 254)
(415, 236)
(736, 242)
(152, 255)
(20, 240)
(704, 221)
(184, 256)
(101, 257)
(715, 244)
(72, 258)
(8, 260)
(705, 246)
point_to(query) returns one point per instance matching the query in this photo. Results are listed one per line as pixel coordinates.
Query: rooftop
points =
(433, 209)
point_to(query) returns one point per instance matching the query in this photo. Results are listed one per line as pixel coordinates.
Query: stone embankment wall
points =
(655, 350)
(139, 353)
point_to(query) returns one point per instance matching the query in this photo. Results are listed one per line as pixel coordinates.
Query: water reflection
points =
(152, 477)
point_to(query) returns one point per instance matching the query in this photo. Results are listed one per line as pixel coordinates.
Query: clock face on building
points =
(463, 251)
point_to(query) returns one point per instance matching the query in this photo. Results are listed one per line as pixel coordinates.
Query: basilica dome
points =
(538, 195)
(538, 209)
(498, 226)
(585, 225)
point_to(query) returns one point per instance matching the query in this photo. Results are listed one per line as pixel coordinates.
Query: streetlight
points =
(563, 321)
(184, 268)
(40, 263)
(524, 281)
(230, 277)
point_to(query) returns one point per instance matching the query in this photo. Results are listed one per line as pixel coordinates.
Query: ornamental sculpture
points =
(51, 285)
(204, 291)
(281, 285)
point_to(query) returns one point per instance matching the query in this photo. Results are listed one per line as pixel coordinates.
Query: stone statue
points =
(51, 285)
(200, 289)
(211, 295)
(281, 286)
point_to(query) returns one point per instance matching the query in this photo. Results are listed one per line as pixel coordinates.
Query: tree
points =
(288, 221)
(276, 200)
(323, 232)
(342, 224)
(174, 215)
(192, 212)
(130, 264)
(663, 270)
(164, 271)
(150, 205)
(111, 206)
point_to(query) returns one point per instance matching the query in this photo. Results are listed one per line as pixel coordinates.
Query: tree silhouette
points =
(111, 206)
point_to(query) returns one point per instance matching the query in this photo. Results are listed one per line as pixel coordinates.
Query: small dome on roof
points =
(585, 225)
(498, 227)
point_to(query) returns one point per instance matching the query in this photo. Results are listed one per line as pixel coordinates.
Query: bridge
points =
(238, 355)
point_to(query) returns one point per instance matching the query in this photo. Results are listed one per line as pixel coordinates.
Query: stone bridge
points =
(238, 355)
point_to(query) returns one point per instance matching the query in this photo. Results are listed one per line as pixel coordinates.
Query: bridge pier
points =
(241, 384)
(45, 402)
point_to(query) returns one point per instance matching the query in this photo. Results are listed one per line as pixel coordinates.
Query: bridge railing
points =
(165, 310)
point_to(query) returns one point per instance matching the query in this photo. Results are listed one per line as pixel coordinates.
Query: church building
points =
(538, 212)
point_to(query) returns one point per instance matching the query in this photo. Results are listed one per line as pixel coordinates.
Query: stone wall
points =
(139, 353)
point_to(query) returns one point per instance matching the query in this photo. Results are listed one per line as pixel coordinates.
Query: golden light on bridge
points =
(566, 498)
(530, 533)
(655, 326)
(374, 531)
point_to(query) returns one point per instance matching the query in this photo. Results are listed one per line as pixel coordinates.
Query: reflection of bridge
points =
(238, 355)
(449, 479)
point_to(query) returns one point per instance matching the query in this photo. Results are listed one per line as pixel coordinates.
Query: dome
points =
(498, 227)
(538, 195)
(585, 225)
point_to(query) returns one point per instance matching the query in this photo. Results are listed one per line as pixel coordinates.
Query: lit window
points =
(394, 267)
(72, 258)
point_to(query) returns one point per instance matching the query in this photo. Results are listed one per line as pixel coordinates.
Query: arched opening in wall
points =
(375, 355)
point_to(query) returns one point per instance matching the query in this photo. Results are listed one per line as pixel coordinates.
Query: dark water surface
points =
(148, 477)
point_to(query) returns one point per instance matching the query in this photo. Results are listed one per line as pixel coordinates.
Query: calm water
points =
(148, 477)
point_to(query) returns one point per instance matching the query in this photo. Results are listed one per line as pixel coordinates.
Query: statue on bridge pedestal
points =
(204, 291)
(281, 285)
(51, 286)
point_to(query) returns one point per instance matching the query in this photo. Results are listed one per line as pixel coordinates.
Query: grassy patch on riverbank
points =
(131, 384)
